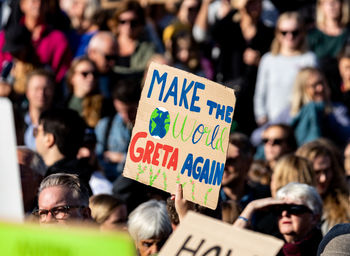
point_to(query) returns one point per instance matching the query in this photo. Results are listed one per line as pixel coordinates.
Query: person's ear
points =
(49, 140)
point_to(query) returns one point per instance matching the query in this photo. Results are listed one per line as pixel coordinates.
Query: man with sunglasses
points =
(298, 210)
(62, 198)
(102, 50)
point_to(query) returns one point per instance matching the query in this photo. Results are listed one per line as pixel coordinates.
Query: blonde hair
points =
(276, 45)
(102, 207)
(292, 168)
(336, 200)
(299, 96)
(343, 19)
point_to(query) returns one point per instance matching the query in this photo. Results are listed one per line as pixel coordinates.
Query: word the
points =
(221, 111)
(150, 154)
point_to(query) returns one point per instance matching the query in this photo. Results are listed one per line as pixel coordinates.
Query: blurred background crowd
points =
(74, 69)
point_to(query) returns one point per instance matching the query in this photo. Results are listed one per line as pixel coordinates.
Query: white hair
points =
(149, 220)
(302, 193)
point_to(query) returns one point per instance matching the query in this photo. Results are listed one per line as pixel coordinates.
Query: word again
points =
(170, 89)
(152, 152)
(203, 170)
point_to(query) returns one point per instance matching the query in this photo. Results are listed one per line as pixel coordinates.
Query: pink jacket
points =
(52, 49)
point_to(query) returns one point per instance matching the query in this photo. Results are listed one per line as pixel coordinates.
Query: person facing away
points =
(58, 138)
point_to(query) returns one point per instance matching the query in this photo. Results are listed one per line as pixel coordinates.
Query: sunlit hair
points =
(276, 45)
(303, 193)
(292, 168)
(344, 14)
(78, 190)
(149, 220)
(300, 96)
(336, 198)
(102, 206)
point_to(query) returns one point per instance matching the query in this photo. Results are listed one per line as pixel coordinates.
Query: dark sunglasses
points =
(86, 73)
(133, 23)
(273, 141)
(111, 57)
(294, 33)
(294, 209)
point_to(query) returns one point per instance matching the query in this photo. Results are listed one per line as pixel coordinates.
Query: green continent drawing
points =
(159, 123)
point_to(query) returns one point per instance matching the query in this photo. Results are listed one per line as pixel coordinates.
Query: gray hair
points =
(36, 163)
(71, 181)
(304, 193)
(149, 220)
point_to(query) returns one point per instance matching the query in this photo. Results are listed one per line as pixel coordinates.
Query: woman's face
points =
(323, 170)
(289, 33)
(83, 79)
(129, 25)
(253, 8)
(315, 88)
(275, 143)
(331, 9)
(31, 8)
(295, 220)
(148, 247)
(183, 49)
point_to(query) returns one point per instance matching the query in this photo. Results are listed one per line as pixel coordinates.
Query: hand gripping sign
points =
(181, 134)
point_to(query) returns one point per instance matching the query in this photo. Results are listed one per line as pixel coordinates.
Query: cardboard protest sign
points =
(19, 240)
(11, 205)
(181, 134)
(199, 235)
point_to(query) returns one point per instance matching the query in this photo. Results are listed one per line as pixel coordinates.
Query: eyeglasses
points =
(294, 209)
(59, 212)
(133, 22)
(86, 73)
(273, 142)
(294, 33)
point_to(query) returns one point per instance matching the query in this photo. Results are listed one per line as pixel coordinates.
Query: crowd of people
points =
(74, 69)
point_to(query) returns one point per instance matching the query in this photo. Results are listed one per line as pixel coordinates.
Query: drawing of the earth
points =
(159, 123)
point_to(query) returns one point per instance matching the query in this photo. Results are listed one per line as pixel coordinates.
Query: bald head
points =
(102, 50)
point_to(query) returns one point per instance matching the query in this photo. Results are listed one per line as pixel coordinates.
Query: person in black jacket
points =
(58, 138)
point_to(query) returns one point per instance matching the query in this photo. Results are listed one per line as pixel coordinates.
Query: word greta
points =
(167, 156)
